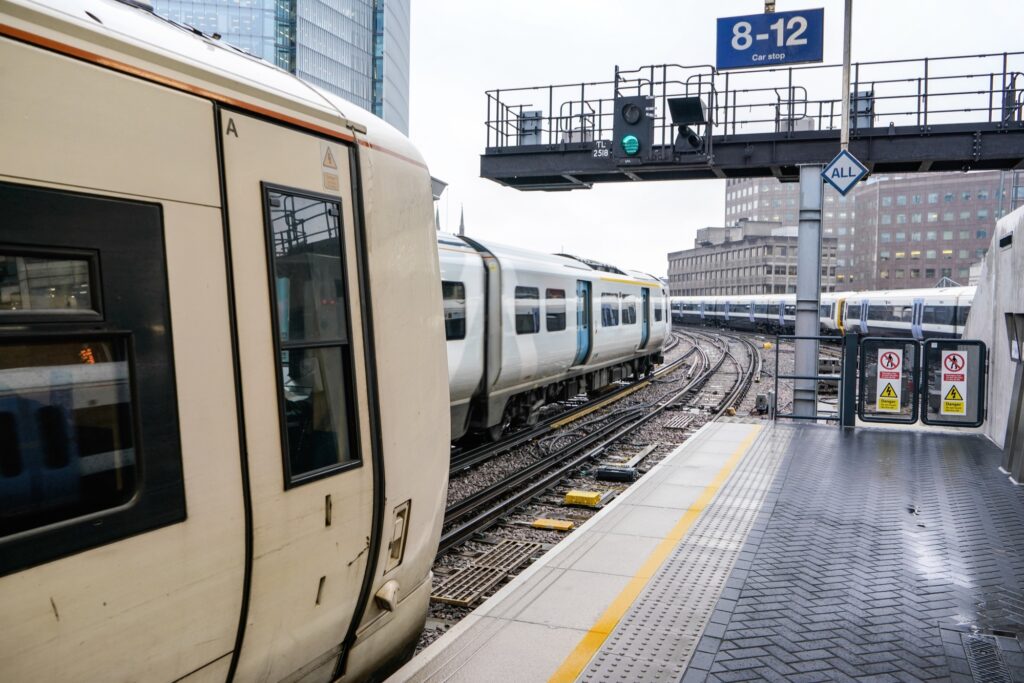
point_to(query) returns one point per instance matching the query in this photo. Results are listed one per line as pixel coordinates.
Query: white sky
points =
(461, 48)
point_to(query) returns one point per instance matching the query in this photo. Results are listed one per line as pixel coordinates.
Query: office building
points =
(753, 257)
(894, 231)
(357, 49)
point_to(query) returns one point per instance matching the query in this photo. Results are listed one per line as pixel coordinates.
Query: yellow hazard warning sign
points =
(953, 402)
(888, 399)
(329, 161)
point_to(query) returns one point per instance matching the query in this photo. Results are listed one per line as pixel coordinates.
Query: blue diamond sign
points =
(843, 172)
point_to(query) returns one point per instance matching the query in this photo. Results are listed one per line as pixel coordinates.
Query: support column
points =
(808, 291)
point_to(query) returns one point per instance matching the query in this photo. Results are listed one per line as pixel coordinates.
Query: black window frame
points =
(523, 293)
(612, 317)
(456, 285)
(86, 315)
(124, 240)
(354, 431)
(559, 317)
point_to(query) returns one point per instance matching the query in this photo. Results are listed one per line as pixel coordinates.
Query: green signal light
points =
(630, 145)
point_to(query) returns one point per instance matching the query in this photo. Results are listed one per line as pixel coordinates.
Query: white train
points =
(526, 328)
(917, 313)
(223, 436)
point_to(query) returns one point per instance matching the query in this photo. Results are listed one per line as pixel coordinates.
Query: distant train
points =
(917, 313)
(526, 328)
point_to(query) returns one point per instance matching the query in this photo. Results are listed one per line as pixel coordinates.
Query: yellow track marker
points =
(572, 666)
(588, 498)
(553, 524)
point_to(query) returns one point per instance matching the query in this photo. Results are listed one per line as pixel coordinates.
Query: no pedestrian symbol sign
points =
(890, 380)
(844, 172)
(954, 384)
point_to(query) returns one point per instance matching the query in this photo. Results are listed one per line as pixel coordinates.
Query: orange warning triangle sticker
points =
(888, 392)
(329, 161)
(953, 394)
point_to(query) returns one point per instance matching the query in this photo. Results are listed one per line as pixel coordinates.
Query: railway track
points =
(478, 511)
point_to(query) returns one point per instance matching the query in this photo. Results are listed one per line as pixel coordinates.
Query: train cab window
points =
(314, 354)
(66, 431)
(629, 311)
(89, 440)
(554, 309)
(825, 310)
(454, 295)
(609, 309)
(527, 310)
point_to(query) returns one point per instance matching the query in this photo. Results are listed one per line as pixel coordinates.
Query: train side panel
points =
(163, 601)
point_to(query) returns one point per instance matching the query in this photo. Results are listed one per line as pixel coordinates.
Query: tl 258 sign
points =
(776, 39)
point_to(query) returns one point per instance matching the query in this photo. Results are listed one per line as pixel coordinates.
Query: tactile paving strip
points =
(657, 636)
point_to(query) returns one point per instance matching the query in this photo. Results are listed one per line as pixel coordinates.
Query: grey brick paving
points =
(879, 551)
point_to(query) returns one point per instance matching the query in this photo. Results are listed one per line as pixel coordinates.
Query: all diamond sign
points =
(843, 172)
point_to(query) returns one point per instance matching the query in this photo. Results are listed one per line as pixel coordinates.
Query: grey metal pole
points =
(808, 291)
(844, 135)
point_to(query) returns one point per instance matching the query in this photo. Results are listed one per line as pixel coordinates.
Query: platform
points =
(779, 552)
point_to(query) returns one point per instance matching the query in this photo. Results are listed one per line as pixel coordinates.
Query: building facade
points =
(894, 231)
(357, 49)
(755, 257)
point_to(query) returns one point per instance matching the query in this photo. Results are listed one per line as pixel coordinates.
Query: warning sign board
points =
(954, 383)
(890, 380)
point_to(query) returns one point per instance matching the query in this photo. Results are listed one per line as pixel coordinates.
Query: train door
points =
(864, 316)
(916, 318)
(782, 315)
(304, 385)
(701, 311)
(645, 312)
(582, 322)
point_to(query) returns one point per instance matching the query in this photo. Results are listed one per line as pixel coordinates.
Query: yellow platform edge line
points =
(572, 666)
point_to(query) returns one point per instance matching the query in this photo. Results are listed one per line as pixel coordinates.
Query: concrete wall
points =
(1000, 290)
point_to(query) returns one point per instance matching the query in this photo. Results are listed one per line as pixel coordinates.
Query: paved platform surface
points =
(775, 552)
(549, 621)
(884, 555)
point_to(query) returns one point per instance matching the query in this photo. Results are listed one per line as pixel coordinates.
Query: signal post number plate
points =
(776, 39)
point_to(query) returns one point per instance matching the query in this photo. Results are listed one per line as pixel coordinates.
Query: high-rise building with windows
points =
(894, 231)
(357, 49)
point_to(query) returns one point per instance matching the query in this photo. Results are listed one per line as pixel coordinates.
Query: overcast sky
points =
(461, 48)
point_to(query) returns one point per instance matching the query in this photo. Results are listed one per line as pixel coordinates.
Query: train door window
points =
(314, 354)
(86, 375)
(609, 309)
(554, 311)
(454, 295)
(527, 310)
(628, 311)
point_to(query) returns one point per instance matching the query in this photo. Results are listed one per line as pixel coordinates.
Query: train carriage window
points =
(609, 309)
(454, 295)
(66, 423)
(962, 311)
(939, 315)
(51, 284)
(554, 309)
(657, 311)
(628, 310)
(316, 393)
(89, 438)
(527, 310)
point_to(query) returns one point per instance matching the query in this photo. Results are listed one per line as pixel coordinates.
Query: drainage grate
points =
(466, 586)
(987, 666)
(681, 422)
(508, 555)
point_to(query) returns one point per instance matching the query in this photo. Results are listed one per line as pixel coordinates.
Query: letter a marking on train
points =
(231, 128)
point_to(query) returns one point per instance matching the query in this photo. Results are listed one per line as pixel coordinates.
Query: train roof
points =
(132, 39)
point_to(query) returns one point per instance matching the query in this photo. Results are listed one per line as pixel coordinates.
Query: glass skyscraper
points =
(358, 49)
